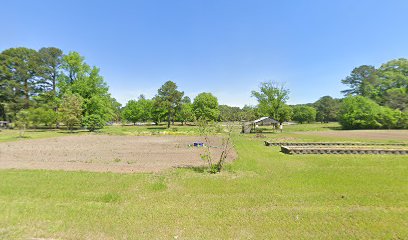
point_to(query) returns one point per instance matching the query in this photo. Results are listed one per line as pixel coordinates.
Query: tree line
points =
(376, 97)
(49, 87)
(171, 105)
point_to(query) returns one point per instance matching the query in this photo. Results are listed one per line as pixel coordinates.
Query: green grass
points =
(8, 135)
(262, 195)
(149, 130)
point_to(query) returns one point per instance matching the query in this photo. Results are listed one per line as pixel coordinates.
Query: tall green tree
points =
(50, 67)
(362, 81)
(393, 87)
(18, 75)
(327, 109)
(303, 114)
(131, 112)
(249, 113)
(387, 85)
(140, 110)
(285, 113)
(205, 107)
(228, 113)
(79, 78)
(271, 97)
(169, 98)
(186, 113)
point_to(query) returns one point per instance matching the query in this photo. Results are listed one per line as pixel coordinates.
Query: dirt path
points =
(104, 153)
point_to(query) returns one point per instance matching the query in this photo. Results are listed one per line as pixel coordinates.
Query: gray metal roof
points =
(268, 119)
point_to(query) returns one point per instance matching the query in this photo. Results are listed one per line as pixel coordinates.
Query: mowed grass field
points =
(264, 194)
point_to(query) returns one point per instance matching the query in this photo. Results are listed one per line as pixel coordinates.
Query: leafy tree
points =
(131, 112)
(249, 113)
(169, 99)
(146, 108)
(71, 110)
(186, 99)
(158, 111)
(402, 120)
(396, 98)
(387, 85)
(271, 97)
(357, 112)
(285, 113)
(394, 74)
(186, 113)
(3, 115)
(140, 110)
(361, 81)
(117, 109)
(93, 122)
(50, 63)
(205, 107)
(22, 121)
(19, 67)
(75, 67)
(228, 113)
(303, 114)
(327, 109)
(42, 115)
(86, 81)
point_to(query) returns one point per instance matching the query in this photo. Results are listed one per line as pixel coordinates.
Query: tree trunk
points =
(26, 94)
(168, 120)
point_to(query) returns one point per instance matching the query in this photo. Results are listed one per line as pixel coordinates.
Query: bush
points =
(357, 112)
(303, 114)
(44, 116)
(93, 122)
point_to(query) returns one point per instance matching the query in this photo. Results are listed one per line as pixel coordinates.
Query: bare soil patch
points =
(399, 135)
(102, 153)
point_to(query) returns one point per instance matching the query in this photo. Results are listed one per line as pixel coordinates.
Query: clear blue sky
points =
(224, 47)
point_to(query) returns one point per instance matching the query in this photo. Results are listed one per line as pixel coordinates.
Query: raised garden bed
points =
(268, 143)
(340, 150)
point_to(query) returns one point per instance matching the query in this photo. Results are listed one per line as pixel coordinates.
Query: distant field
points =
(264, 194)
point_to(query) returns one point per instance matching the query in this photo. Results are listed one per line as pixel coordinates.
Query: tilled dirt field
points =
(102, 153)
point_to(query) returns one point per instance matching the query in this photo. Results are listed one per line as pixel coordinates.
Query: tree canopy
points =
(206, 107)
(271, 98)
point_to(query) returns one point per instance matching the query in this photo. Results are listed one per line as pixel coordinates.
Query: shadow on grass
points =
(197, 169)
(157, 128)
(334, 128)
(23, 137)
(72, 132)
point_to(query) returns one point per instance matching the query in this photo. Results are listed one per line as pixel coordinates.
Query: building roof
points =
(265, 119)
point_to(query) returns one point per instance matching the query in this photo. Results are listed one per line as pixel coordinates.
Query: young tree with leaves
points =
(271, 97)
(71, 110)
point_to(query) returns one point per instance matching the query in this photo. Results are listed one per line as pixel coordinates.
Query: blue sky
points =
(224, 47)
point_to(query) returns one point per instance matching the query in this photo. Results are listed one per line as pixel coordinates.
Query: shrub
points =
(93, 122)
(303, 114)
(357, 112)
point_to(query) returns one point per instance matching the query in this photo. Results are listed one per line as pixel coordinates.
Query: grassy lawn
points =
(7, 135)
(262, 195)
